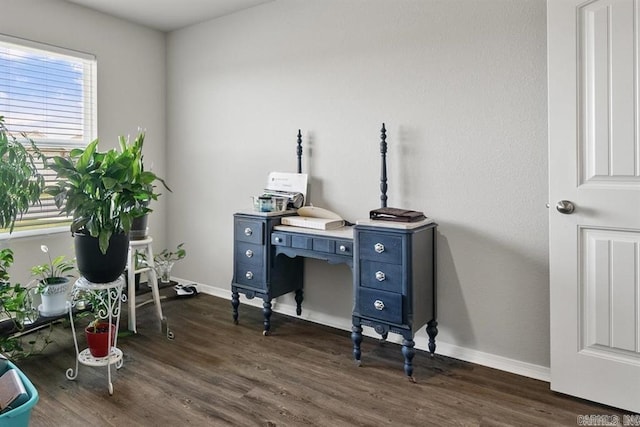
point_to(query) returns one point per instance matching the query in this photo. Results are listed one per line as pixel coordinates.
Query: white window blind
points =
(48, 94)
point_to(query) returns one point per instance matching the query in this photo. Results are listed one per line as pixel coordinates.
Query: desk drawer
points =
(247, 274)
(380, 247)
(249, 254)
(318, 244)
(380, 305)
(280, 239)
(250, 231)
(324, 245)
(344, 247)
(381, 275)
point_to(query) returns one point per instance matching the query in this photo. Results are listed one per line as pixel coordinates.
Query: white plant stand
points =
(111, 302)
(144, 248)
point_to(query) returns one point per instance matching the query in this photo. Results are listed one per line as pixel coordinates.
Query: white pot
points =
(54, 299)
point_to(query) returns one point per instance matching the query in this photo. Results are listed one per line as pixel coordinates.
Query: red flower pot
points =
(98, 338)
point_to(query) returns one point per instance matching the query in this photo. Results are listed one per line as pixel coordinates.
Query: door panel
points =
(594, 162)
(609, 292)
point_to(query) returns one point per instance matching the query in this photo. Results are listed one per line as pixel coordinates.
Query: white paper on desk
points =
(288, 182)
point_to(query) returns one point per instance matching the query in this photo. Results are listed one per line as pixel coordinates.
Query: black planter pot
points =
(139, 228)
(97, 267)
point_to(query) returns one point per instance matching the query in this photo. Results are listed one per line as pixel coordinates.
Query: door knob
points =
(565, 207)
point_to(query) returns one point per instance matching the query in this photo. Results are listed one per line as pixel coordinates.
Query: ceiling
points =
(168, 15)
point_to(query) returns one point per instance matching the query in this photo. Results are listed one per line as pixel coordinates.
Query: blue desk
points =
(393, 272)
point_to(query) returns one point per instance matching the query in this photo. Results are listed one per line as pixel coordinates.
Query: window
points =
(49, 94)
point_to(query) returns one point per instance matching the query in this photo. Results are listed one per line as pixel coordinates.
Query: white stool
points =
(144, 247)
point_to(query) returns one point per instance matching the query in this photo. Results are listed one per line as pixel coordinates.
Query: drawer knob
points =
(249, 275)
(379, 305)
(343, 248)
(278, 239)
(249, 253)
(378, 247)
(248, 231)
(380, 276)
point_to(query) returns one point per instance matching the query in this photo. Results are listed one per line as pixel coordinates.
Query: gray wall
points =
(131, 93)
(461, 86)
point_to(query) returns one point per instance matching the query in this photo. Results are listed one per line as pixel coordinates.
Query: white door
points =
(594, 163)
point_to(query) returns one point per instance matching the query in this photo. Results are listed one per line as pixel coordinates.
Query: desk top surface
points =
(342, 232)
(397, 225)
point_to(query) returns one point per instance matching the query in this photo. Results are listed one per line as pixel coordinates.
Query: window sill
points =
(31, 233)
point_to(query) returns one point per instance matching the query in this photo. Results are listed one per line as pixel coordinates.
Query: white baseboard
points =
(461, 353)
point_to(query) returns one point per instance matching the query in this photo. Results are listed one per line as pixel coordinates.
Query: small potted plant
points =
(100, 334)
(53, 283)
(142, 210)
(164, 261)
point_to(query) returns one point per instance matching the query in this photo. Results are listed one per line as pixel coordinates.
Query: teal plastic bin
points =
(19, 416)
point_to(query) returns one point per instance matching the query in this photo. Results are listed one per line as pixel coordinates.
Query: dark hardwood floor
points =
(215, 373)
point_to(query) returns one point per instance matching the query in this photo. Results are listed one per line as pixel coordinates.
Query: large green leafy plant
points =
(21, 184)
(103, 191)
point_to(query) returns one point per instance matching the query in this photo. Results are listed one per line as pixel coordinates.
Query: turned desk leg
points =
(266, 312)
(408, 352)
(235, 302)
(356, 337)
(432, 331)
(299, 297)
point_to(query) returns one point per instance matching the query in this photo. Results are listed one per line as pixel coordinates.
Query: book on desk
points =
(315, 218)
(310, 222)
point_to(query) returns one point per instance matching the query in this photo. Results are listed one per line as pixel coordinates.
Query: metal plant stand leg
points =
(110, 298)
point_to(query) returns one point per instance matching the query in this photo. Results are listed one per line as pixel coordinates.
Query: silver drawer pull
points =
(379, 305)
(343, 248)
(278, 239)
(380, 276)
(378, 247)
(248, 231)
(249, 253)
(249, 275)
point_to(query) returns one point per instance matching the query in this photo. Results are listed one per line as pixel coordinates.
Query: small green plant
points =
(6, 259)
(170, 256)
(53, 272)
(96, 306)
(164, 261)
(139, 260)
(16, 308)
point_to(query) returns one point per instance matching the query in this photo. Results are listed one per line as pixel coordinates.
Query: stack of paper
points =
(315, 223)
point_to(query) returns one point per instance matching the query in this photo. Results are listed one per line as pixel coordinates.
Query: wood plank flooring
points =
(215, 373)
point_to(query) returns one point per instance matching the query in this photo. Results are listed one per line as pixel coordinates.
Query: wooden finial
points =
(299, 151)
(383, 171)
